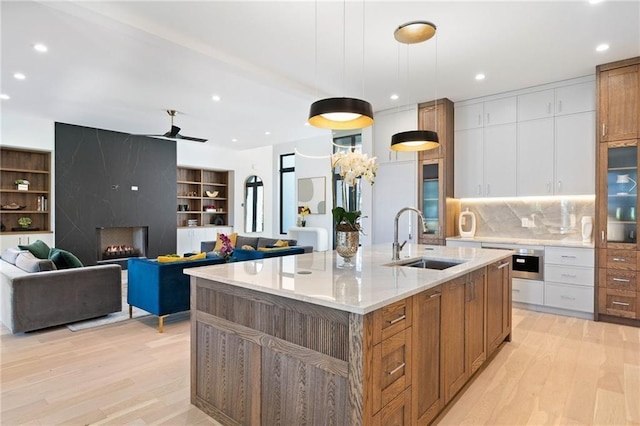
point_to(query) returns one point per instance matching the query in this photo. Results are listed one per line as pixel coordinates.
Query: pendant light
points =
(341, 113)
(416, 140)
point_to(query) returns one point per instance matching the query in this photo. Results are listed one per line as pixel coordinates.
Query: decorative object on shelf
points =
(213, 194)
(210, 208)
(352, 167)
(192, 222)
(303, 211)
(416, 140)
(219, 221)
(13, 206)
(624, 179)
(183, 207)
(340, 113)
(24, 222)
(22, 184)
(226, 251)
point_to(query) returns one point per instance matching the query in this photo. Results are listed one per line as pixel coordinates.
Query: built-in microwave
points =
(526, 262)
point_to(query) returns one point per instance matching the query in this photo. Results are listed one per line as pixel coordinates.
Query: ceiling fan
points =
(174, 133)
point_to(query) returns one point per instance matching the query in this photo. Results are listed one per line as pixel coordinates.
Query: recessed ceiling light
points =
(394, 97)
(595, 1)
(267, 133)
(602, 47)
(306, 123)
(19, 76)
(39, 47)
(234, 140)
(216, 98)
(480, 77)
(4, 96)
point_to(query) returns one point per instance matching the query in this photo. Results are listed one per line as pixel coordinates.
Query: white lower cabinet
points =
(527, 291)
(569, 278)
(13, 240)
(188, 239)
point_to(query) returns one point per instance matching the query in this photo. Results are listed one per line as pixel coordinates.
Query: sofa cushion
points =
(64, 259)
(11, 253)
(242, 241)
(271, 242)
(39, 248)
(29, 263)
(232, 237)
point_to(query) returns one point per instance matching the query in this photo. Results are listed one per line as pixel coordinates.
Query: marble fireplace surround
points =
(550, 218)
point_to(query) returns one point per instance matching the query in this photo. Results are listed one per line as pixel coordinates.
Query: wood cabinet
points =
(435, 174)
(619, 100)
(475, 319)
(427, 396)
(34, 199)
(617, 249)
(203, 197)
(498, 304)
(454, 352)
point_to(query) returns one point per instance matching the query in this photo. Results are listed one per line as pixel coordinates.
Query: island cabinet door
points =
(475, 320)
(498, 304)
(427, 395)
(454, 356)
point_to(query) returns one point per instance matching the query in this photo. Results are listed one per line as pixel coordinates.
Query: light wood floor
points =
(557, 370)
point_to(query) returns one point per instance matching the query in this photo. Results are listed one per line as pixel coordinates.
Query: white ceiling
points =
(120, 65)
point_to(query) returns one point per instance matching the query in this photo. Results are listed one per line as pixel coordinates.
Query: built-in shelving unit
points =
(203, 197)
(33, 201)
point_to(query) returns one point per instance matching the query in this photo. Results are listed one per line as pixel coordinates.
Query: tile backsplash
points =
(548, 218)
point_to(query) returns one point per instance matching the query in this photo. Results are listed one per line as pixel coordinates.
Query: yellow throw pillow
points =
(281, 243)
(247, 247)
(166, 259)
(232, 237)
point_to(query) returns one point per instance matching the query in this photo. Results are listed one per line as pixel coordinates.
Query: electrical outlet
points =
(525, 222)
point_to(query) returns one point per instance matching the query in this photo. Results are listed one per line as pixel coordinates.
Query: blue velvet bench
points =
(161, 288)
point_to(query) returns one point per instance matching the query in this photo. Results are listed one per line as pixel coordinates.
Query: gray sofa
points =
(47, 297)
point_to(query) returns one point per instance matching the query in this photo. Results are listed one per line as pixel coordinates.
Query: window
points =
(287, 192)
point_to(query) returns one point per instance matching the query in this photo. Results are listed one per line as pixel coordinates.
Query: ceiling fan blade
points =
(173, 133)
(189, 138)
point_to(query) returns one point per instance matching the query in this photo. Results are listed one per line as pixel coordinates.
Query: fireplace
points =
(120, 243)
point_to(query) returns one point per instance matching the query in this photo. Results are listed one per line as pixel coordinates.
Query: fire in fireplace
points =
(121, 242)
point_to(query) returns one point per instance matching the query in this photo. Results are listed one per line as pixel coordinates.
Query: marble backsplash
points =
(548, 218)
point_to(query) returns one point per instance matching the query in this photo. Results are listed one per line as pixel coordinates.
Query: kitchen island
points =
(300, 340)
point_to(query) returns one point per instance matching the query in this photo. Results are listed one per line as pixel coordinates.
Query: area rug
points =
(115, 317)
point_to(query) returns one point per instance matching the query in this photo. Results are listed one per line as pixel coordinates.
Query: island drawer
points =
(391, 319)
(397, 412)
(391, 368)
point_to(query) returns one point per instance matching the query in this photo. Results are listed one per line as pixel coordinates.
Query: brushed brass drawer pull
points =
(435, 295)
(619, 303)
(621, 280)
(619, 259)
(395, 370)
(400, 318)
(503, 265)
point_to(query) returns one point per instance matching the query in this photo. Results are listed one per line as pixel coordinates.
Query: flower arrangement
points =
(24, 222)
(352, 165)
(21, 181)
(303, 211)
(227, 249)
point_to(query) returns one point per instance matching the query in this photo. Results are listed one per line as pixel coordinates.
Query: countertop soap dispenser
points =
(467, 224)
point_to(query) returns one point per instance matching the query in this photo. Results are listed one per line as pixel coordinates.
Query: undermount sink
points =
(426, 263)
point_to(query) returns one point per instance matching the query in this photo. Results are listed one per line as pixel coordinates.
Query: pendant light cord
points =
(344, 44)
(436, 90)
(315, 30)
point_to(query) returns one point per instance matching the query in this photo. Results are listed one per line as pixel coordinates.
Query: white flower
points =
(354, 165)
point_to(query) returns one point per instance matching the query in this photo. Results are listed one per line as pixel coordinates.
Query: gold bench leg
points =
(161, 323)
(130, 311)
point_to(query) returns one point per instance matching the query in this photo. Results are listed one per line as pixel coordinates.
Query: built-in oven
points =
(527, 263)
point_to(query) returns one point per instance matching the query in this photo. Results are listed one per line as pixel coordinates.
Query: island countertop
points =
(374, 281)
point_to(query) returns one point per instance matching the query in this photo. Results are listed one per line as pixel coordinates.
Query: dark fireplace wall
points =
(96, 176)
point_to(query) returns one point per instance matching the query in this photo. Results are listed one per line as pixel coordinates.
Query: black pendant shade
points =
(414, 140)
(341, 113)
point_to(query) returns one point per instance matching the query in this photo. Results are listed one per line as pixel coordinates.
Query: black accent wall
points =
(94, 173)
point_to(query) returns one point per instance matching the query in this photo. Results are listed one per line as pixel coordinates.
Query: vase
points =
(347, 243)
(303, 223)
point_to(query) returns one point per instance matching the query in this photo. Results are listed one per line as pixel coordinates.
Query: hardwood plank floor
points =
(557, 370)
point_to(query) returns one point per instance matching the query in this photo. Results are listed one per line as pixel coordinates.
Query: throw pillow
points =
(247, 247)
(64, 259)
(169, 258)
(232, 237)
(39, 249)
(10, 254)
(29, 263)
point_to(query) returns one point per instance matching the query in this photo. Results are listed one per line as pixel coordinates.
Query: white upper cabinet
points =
(468, 157)
(533, 106)
(500, 111)
(385, 125)
(469, 116)
(576, 98)
(575, 154)
(535, 165)
(500, 161)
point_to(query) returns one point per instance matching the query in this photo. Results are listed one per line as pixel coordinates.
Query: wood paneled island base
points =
(261, 358)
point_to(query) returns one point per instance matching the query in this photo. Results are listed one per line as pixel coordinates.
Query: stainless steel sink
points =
(426, 263)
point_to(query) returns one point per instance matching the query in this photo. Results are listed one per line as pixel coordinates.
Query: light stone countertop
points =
(525, 241)
(371, 284)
